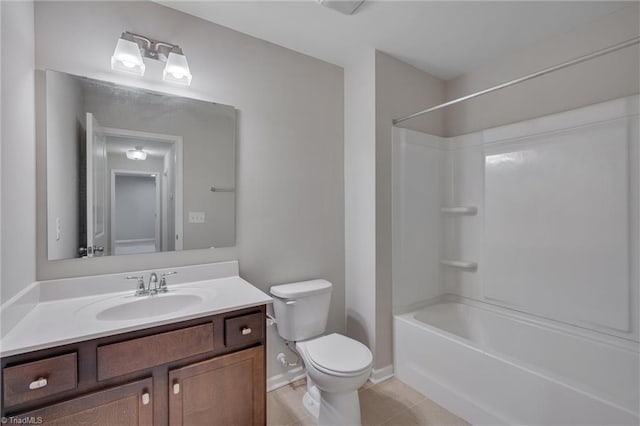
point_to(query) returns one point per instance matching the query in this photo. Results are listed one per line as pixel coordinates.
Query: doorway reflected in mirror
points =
(130, 171)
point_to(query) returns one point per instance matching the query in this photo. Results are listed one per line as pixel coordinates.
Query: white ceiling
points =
(444, 38)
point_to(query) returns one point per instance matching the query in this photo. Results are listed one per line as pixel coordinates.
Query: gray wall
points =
(65, 125)
(400, 89)
(169, 207)
(18, 201)
(378, 88)
(290, 199)
(135, 198)
(608, 77)
(360, 196)
(120, 162)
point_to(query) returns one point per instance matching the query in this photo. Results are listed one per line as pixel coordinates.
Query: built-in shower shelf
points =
(460, 210)
(460, 264)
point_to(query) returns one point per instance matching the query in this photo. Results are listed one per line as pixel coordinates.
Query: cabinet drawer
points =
(127, 404)
(37, 379)
(243, 329)
(143, 353)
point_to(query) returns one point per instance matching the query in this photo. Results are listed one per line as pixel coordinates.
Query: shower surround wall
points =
(556, 228)
(550, 233)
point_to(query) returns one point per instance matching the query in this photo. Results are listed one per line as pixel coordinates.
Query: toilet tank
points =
(301, 308)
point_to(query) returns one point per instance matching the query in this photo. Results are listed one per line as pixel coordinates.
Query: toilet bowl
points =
(336, 365)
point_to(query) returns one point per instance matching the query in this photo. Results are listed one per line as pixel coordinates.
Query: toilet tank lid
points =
(301, 289)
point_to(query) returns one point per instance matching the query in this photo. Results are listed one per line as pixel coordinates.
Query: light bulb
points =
(127, 57)
(177, 73)
(128, 64)
(177, 69)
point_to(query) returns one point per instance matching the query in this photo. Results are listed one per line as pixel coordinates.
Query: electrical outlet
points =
(58, 226)
(196, 217)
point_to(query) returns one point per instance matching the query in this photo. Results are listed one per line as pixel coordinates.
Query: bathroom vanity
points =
(204, 364)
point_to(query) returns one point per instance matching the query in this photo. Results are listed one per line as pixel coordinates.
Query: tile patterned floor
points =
(388, 403)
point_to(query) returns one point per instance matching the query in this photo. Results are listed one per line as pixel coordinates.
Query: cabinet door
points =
(227, 390)
(129, 404)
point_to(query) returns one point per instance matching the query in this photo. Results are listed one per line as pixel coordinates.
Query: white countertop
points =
(62, 321)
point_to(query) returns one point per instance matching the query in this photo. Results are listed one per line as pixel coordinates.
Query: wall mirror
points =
(135, 171)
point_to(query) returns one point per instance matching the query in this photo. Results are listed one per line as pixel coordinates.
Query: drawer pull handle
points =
(146, 398)
(176, 388)
(40, 382)
(246, 331)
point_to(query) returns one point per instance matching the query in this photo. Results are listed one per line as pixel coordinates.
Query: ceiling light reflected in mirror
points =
(136, 154)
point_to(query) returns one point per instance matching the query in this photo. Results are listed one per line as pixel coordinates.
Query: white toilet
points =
(336, 365)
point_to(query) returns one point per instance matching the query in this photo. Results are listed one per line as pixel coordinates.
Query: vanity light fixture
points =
(131, 48)
(136, 154)
(127, 57)
(177, 69)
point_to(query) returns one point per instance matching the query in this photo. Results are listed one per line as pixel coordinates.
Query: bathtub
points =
(490, 366)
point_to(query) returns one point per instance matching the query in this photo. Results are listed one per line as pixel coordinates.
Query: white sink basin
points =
(149, 306)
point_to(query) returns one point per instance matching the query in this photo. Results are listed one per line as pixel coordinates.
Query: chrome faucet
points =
(153, 279)
(161, 287)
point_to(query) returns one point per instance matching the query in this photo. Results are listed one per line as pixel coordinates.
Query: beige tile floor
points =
(388, 403)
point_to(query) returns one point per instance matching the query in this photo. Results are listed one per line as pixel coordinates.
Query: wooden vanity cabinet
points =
(206, 371)
(218, 391)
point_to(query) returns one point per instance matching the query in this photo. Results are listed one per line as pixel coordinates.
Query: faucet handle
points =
(140, 289)
(163, 281)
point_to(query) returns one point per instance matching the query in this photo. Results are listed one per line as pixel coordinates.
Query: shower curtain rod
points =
(540, 73)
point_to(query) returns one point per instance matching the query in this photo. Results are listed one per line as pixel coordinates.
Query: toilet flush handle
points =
(290, 302)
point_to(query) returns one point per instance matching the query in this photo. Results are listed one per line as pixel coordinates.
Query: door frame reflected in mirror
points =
(203, 181)
(177, 143)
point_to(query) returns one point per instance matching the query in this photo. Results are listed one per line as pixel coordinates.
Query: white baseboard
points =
(381, 374)
(280, 380)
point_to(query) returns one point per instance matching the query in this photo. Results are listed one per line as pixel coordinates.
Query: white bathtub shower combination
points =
(492, 367)
(515, 262)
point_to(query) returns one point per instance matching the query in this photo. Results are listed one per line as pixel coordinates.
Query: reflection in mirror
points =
(134, 171)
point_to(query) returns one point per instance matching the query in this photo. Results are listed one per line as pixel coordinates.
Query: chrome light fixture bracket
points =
(176, 68)
(150, 48)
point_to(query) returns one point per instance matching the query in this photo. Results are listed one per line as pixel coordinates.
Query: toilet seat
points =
(338, 355)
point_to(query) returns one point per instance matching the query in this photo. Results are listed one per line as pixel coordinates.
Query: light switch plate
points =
(196, 217)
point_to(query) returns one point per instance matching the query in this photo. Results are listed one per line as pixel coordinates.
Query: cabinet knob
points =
(176, 388)
(40, 382)
(146, 398)
(246, 331)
